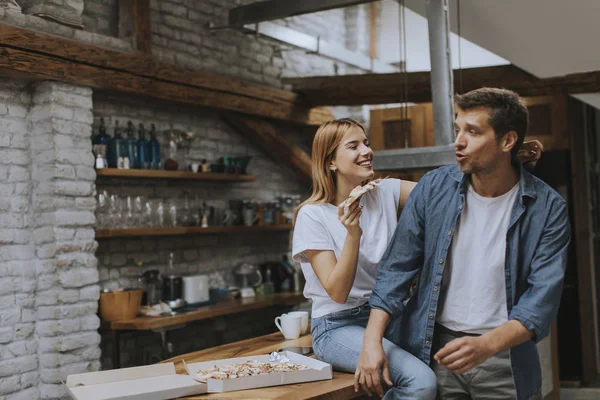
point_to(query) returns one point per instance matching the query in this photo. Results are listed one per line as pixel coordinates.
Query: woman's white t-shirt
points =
(318, 228)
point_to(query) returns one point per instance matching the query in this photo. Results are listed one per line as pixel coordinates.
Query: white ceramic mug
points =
(291, 325)
(304, 316)
(249, 217)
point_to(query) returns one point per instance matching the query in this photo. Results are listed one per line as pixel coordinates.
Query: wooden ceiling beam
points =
(389, 88)
(39, 66)
(46, 56)
(264, 135)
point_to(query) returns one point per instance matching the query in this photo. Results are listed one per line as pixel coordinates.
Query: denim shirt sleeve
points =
(403, 257)
(536, 309)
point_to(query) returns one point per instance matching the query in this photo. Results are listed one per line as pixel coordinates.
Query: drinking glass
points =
(138, 206)
(172, 214)
(148, 214)
(129, 212)
(102, 209)
(114, 218)
(160, 214)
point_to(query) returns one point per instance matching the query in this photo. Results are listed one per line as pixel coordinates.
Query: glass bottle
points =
(131, 143)
(143, 149)
(102, 137)
(116, 147)
(154, 148)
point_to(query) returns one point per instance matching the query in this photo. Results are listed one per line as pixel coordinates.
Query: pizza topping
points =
(248, 368)
(358, 191)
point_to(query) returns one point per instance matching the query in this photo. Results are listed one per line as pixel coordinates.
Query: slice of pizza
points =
(358, 191)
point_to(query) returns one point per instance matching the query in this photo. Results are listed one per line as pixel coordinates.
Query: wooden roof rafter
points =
(388, 88)
(265, 136)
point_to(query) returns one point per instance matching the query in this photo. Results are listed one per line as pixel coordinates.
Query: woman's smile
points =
(368, 163)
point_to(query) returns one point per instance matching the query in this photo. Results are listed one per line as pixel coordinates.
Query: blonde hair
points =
(326, 141)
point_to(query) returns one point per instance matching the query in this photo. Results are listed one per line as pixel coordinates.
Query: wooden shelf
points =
(189, 230)
(221, 308)
(160, 174)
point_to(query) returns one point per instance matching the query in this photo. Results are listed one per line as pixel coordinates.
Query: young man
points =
(488, 242)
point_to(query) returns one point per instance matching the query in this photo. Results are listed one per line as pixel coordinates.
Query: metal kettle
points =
(151, 284)
(247, 277)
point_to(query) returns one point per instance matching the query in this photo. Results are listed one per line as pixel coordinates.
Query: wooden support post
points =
(265, 136)
(373, 30)
(135, 22)
(142, 26)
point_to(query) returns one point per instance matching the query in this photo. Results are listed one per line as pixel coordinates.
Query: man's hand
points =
(530, 152)
(372, 364)
(460, 355)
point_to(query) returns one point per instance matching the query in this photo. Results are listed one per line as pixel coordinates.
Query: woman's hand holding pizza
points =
(351, 219)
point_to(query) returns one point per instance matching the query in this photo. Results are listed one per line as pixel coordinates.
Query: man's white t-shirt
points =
(318, 228)
(473, 297)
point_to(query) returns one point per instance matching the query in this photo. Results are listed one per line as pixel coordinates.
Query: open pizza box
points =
(317, 371)
(152, 382)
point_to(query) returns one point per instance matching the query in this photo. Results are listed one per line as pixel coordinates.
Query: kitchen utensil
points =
(280, 275)
(224, 294)
(241, 163)
(120, 305)
(298, 281)
(173, 287)
(151, 284)
(304, 316)
(289, 325)
(195, 289)
(247, 277)
(249, 216)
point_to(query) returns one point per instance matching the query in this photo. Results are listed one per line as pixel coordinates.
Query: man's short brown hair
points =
(507, 111)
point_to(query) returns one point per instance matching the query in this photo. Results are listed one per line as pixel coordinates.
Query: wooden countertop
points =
(211, 311)
(341, 387)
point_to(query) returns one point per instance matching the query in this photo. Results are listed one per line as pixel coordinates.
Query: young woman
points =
(339, 253)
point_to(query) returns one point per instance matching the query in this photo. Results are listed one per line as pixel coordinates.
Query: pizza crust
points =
(358, 191)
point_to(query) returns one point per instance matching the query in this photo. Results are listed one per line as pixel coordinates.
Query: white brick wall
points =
(101, 16)
(46, 307)
(65, 266)
(18, 347)
(50, 265)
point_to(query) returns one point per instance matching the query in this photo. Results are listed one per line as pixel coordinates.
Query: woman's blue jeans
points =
(338, 338)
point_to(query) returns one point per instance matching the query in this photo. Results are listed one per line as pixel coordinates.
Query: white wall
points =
(417, 42)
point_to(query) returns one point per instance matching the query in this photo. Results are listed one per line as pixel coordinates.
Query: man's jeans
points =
(492, 380)
(337, 340)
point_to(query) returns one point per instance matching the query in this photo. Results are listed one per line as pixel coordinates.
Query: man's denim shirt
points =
(536, 256)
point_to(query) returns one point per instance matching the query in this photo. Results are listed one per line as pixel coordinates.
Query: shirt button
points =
(430, 316)
(441, 260)
(435, 288)
(460, 207)
(428, 343)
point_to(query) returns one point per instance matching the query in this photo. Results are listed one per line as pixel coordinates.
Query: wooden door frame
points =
(582, 237)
